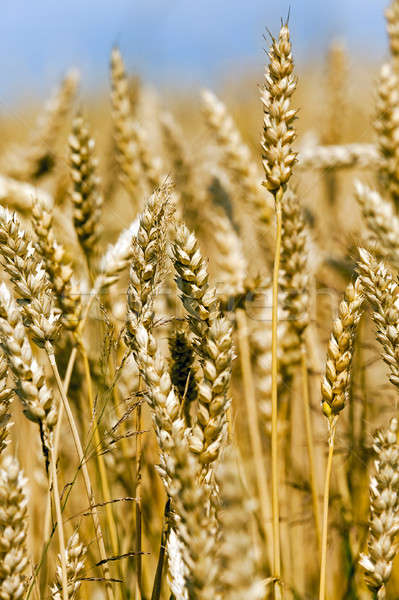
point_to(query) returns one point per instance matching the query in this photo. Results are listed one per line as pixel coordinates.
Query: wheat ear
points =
(58, 268)
(236, 157)
(30, 280)
(384, 511)
(39, 157)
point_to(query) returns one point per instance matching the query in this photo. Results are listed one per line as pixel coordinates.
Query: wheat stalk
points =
(278, 161)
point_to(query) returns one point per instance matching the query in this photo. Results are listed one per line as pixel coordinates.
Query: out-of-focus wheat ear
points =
(384, 511)
(151, 166)
(382, 291)
(22, 263)
(19, 196)
(190, 191)
(39, 157)
(381, 220)
(229, 256)
(295, 288)
(57, 266)
(363, 156)
(86, 196)
(236, 156)
(174, 142)
(116, 258)
(126, 147)
(14, 558)
(75, 562)
(6, 397)
(386, 127)
(294, 275)
(240, 576)
(335, 383)
(183, 371)
(392, 21)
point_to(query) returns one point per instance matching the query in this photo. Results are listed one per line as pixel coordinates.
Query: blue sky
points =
(193, 40)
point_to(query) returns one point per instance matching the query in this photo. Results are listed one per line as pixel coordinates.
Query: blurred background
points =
(193, 42)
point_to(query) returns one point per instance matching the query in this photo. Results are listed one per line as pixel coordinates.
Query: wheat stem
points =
(275, 478)
(323, 563)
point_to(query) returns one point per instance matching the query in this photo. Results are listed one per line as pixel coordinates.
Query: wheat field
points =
(199, 337)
